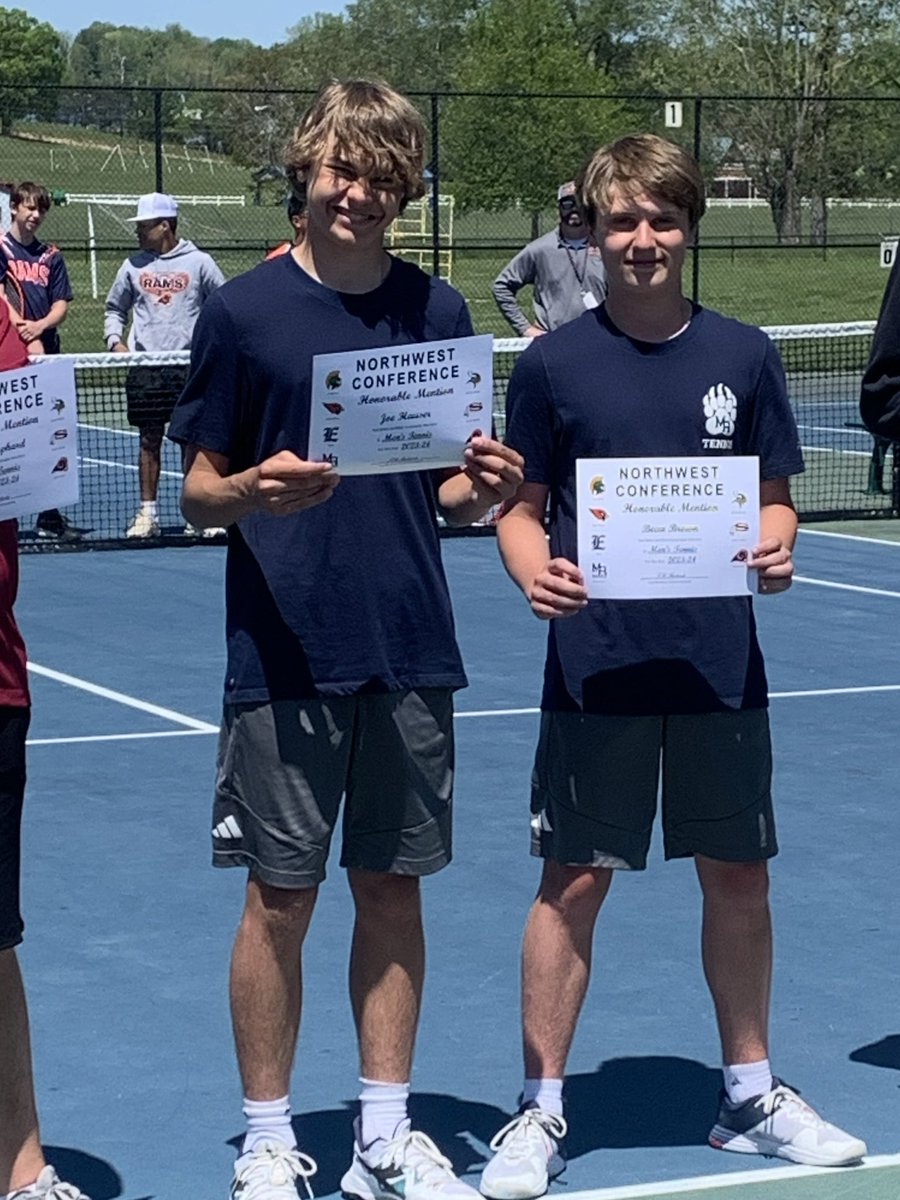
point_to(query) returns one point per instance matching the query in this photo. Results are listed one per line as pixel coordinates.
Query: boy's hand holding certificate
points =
(401, 408)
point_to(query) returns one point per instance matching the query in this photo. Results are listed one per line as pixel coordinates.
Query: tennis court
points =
(129, 930)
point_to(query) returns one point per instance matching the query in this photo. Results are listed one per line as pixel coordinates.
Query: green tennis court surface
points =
(877, 1179)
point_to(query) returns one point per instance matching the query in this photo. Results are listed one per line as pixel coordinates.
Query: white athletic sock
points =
(382, 1106)
(151, 508)
(545, 1093)
(744, 1081)
(268, 1119)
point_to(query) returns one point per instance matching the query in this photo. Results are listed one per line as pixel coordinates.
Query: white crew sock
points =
(545, 1093)
(268, 1119)
(151, 508)
(744, 1081)
(382, 1107)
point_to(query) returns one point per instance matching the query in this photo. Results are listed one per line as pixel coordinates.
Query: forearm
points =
(55, 316)
(461, 502)
(209, 500)
(504, 289)
(523, 547)
(778, 520)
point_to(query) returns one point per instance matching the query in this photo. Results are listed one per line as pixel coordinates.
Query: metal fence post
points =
(435, 188)
(158, 138)
(695, 264)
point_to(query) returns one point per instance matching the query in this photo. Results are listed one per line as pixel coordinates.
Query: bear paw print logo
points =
(720, 410)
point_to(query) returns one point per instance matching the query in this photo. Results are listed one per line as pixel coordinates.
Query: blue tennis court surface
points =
(129, 930)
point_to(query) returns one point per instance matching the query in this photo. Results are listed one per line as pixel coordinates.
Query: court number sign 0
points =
(888, 252)
(674, 114)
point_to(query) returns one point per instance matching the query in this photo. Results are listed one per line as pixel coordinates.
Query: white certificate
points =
(667, 527)
(400, 408)
(38, 438)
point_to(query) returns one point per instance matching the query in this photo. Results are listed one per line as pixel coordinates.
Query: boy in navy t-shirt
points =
(342, 656)
(632, 684)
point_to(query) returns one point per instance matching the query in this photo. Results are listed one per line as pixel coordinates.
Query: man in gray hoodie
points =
(162, 289)
(564, 269)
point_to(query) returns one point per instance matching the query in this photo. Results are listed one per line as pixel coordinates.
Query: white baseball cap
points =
(155, 206)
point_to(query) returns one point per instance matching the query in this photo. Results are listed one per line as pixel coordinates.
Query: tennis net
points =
(849, 474)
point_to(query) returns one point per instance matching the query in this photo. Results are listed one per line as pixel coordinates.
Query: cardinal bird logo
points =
(333, 380)
(333, 407)
(600, 513)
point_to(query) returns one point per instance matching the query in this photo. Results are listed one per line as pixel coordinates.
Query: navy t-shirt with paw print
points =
(587, 390)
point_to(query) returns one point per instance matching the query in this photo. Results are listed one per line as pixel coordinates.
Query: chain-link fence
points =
(804, 196)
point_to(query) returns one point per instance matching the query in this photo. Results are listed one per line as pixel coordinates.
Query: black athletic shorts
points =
(597, 779)
(13, 728)
(152, 393)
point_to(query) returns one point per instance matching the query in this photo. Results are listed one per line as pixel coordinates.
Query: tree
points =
(33, 56)
(519, 146)
(802, 54)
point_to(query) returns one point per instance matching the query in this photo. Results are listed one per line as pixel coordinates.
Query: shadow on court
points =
(884, 1053)
(94, 1176)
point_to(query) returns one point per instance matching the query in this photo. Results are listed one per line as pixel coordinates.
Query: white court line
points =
(95, 689)
(705, 1183)
(836, 429)
(835, 450)
(119, 737)
(105, 462)
(850, 537)
(132, 433)
(847, 587)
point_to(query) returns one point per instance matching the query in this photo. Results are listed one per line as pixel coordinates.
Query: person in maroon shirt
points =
(24, 1173)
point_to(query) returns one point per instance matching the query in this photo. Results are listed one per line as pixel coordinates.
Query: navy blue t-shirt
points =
(349, 596)
(589, 391)
(41, 272)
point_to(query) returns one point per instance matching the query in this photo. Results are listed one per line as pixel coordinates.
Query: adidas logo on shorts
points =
(227, 830)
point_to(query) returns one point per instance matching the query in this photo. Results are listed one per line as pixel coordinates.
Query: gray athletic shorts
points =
(596, 782)
(284, 767)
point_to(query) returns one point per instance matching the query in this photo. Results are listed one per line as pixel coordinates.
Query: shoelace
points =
(58, 1190)
(783, 1097)
(284, 1167)
(515, 1136)
(418, 1152)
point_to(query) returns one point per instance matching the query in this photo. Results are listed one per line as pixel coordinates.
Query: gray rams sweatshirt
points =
(558, 276)
(163, 294)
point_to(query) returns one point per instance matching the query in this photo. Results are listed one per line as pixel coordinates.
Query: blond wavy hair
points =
(367, 122)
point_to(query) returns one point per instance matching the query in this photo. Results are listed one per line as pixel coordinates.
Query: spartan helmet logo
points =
(720, 410)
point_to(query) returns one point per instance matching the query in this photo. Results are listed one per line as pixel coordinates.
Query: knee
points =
(382, 897)
(279, 912)
(737, 884)
(574, 892)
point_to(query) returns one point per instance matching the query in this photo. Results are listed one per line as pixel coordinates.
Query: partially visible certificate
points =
(38, 438)
(401, 408)
(667, 527)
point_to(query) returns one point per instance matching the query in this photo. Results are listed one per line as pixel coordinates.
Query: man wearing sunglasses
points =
(563, 268)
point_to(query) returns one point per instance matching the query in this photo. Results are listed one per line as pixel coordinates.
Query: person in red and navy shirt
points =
(39, 269)
(24, 1172)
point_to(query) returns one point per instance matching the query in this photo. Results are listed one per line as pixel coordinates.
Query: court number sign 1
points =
(888, 252)
(674, 111)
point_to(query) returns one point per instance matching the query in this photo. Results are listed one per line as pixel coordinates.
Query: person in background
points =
(296, 211)
(40, 271)
(564, 269)
(161, 290)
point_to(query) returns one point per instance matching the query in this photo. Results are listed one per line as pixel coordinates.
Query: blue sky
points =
(263, 22)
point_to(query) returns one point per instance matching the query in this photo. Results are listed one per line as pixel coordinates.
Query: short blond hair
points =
(366, 120)
(641, 163)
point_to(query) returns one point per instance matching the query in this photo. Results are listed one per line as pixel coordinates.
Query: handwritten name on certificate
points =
(38, 439)
(653, 528)
(401, 408)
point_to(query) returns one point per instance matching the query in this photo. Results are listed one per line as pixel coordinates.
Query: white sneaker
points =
(526, 1156)
(143, 526)
(192, 531)
(409, 1167)
(782, 1125)
(270, 1171)
(48, 1186)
